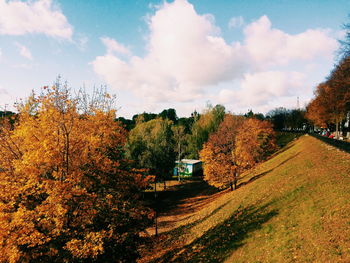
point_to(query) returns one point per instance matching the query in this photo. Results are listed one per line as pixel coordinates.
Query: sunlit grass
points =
(293, 208)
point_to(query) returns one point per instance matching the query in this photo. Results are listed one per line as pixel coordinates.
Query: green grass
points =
(293, 208)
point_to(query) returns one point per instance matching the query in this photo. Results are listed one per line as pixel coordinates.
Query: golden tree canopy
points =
(66, 193)
(218, 165)
(237, 145)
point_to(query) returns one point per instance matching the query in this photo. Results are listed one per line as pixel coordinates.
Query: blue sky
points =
(154, 54)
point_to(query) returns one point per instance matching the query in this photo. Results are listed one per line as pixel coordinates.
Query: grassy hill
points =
(293, 208)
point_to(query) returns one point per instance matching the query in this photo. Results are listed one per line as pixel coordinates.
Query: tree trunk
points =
(156, 222)
(235, 180)
(155, 189)
(337, 129)
(231, 186)
(164, 184)
(155, 208)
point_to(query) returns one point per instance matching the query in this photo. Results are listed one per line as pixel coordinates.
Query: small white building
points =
(188, 167)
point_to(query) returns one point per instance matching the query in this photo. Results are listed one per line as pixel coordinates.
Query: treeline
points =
(330, 107)
(157, 140)
(227, 144)
(281, 118)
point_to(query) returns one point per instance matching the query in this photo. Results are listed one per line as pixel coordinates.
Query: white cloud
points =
(268, 46)
(236, 22)
(260, 88)
(187, 59)
(113, 46)
(39, 17)
(24, 51)
(182, 60)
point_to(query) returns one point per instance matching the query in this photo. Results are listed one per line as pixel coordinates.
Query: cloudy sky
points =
(181, 54)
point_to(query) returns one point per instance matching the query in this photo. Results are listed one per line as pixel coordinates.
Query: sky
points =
(182, 54)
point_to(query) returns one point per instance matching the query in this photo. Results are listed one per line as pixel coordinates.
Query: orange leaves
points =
(216, 154)
(331, 102)
(318, 110)
(64, 183)
(238, 144)
(254, 142)
(89, 247)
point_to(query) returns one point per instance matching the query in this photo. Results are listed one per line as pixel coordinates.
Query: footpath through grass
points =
(293, 208)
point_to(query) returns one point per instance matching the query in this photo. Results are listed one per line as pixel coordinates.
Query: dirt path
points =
(175, 206)
(180, 202)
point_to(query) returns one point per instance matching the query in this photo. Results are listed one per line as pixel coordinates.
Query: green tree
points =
(169, 114)
(207, 123)
(128, 124)
(296, 119)
(278, 117)
(144, 117)
(251, 114)
(151, 145)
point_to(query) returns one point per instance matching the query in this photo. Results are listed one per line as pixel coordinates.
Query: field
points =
(293, 208)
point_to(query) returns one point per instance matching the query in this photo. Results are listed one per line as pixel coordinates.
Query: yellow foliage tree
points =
(218, 165)
(254, 142)
(237, 145)
(66, 193)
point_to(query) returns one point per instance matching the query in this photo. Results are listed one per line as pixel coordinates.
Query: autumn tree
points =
(254, 142)
(217, 154)
(332, 98)
(236, 146)
(67, 193)
(318, 111)
(339, 92)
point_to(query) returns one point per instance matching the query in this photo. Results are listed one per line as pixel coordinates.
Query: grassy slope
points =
(293, 208)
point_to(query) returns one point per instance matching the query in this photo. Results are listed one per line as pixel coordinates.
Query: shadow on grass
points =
(181, 230)
(166, 240)
(174, 196)
(219, 242)
(255, 177)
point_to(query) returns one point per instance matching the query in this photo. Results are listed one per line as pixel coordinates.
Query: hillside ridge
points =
(292, 208)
